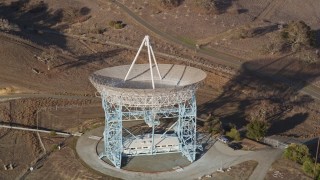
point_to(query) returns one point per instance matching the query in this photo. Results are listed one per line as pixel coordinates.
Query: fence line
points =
(275, 143)
(34, 130)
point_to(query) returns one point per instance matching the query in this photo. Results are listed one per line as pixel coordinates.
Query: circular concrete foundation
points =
(147, 163)
(90, 145)
(166, 166)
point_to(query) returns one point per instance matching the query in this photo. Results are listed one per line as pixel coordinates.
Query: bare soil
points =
(286, 170)
(19, 149)
(251, 145)
(64, 164)
(239, 171)
(83, 49)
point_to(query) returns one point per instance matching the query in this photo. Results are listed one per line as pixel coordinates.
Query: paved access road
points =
(218, 155)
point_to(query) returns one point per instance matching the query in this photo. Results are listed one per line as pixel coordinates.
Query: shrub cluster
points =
(294, 36)
(299, 153)
(117, 24)
(234, 134)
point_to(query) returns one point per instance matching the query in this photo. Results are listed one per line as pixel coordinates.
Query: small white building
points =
(143, 144)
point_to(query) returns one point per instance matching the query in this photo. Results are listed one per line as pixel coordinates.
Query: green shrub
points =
(297, 152)
(309, 168)
(257, 129)
(234, 134)
(118, 26)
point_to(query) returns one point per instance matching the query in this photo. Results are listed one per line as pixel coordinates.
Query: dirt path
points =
(211, 54)
(270, 9)
(265, 160)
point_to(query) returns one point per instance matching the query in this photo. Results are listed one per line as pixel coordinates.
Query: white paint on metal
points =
(150, 62)
(151, 56)
(34, 130)
(95, 137)
(133, 97)
(135, 58)
(138, 93)
(149, 143)
(155, 61)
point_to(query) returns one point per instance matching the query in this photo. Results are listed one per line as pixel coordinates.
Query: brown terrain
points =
(284, 168)
(49, 48)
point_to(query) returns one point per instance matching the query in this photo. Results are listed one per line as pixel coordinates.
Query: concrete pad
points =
(225, 149)
(208, 163)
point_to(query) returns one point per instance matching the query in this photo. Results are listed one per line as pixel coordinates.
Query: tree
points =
(234, 134)
(297, 34)
(257, 129)
(294, 36)
(298, 153)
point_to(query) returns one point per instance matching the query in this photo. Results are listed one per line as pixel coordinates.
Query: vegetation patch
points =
(187, 40)
(117, 24)
(293, 37)
(234, 134)
(217, 6)
(257, 129)
(300, 154)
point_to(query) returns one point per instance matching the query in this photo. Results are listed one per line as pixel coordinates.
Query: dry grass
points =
(237, 172)
(288, 169)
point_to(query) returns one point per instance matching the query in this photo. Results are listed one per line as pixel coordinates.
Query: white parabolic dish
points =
(177, 84)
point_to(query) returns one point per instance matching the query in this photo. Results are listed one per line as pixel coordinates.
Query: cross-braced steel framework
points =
(122, 101)
(185, 113)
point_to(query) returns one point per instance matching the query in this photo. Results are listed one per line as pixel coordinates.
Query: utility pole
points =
(315, 163)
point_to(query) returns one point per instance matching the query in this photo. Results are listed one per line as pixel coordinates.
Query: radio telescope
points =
(150, 92)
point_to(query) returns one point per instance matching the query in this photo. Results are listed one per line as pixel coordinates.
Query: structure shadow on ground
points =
(27, 17)
(268, 87)
(99, 57)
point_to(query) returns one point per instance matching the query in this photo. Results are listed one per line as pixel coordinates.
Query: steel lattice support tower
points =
(112, 132)
(134, 92)
(185, 128)
(187, 123)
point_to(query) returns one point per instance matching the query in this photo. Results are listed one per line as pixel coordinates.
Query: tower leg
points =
(112, 132)
(186, 129)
